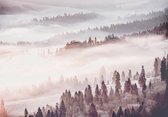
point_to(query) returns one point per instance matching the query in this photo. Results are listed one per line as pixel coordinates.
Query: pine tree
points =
(117, 81)
(123, 76)
(130, 74)
(126, 87)
(120, 112)
(164, 76)
(92, 112)
(156, 67)
(114, 114)
(117, 93)
(26, 113)
(97, 93)
(62, 109)
(48, 113)
(163, 69)
(90, 95)
(39, 113)
(52, 114)
(111, 93)
(142, 78)
(86, 96)
(104, 92)
(102, 74)
(3, 112)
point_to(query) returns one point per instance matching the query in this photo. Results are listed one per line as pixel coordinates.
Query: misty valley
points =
(83, 58)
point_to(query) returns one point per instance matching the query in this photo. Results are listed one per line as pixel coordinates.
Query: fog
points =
(32, 65)
(30, 74)
(26, 67)
(15, 21)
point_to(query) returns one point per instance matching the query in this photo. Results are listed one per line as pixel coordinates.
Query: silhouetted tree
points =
(142, 79)
(39, 113)
(26, 113)
(62, 109)
(97, 93)
(120, 112)
(92, 112)
(114, 114)
(104, 92)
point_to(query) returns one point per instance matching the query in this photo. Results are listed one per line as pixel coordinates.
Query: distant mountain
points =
(66, 18)
(14, 7)
(149, 15)
(118, 29)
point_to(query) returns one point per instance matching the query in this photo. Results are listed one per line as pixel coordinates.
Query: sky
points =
(16, 16)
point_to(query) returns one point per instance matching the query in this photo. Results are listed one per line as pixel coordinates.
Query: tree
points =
(129, 74)
(142, 78)
(120, 112)
(127, 87)
(156, 67)
(123, 76)
(111, 93)
(114, 114)
(39, 113)
(117, 81)
(163, 69)
(62, 109)
(104, 92)
(164, 76)
(92, 112)
(48, 113)
(3, 112)
(88, 95)
(102, 74)
(97, 93)
(26, 113)
(117, 93)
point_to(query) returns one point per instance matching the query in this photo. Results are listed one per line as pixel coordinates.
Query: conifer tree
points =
(92, 112)
(62, 109)
(111, 93)
(104, 92)
(39, 113)
(117, 81)
(120, 112)
(156, 67)
(142, 78)
(130, 74)
(97, 93)
(123, 76)
(26, 113)
(114, 114)
(163, 69)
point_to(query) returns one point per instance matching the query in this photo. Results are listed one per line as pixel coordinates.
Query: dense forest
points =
(162, 29)
(66, 18)
(145, 100)
(116, 29)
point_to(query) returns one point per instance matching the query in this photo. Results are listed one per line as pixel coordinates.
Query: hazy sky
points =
(15, 15)
(113, 4)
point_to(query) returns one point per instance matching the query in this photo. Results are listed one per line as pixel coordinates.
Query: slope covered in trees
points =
(139, 101)
(116, 29)
(66, 18)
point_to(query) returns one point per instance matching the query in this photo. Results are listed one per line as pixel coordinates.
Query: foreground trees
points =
(86, 104)
(142, 79)
(3, 112)
(92, 112)
(164, 75)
